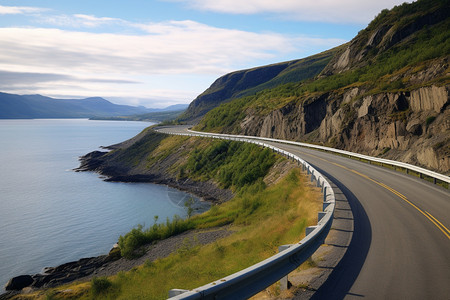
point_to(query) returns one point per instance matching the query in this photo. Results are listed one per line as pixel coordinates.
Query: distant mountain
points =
(176, 107)
(37, 106)
(165, 114)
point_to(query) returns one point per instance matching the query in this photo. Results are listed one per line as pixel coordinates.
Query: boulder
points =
(18, 283)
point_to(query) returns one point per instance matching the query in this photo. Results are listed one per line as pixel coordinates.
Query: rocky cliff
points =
(408, 126)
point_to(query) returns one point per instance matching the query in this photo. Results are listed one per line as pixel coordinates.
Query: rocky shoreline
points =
(97, 161)
(110, 264)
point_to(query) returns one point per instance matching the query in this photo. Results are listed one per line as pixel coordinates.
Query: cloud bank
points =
(19, 10)
(343, 11)
(46, 56)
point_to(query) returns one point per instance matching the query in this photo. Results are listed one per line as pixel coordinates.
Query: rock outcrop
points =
(19, 282)
(413, 127)
(62, 274)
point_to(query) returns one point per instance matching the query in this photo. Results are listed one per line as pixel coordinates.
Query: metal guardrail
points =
(254, 279)
(408, 167)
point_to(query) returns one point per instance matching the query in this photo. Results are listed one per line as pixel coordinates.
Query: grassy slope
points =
(383, 71)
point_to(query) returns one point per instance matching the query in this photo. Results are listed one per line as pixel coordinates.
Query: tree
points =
(188, 205)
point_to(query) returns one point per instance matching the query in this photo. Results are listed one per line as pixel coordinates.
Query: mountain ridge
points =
(37, 106)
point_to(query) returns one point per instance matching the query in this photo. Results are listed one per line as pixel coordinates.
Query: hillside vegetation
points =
(376, 95)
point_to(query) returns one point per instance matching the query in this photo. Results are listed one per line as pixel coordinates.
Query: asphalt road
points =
(401, 241)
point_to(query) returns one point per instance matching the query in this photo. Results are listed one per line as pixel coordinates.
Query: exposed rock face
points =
(429, 98)
(413, 127)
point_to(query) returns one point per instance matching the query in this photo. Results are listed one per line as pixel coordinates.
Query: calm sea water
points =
(49, 214)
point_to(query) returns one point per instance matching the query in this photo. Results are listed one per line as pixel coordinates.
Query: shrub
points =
(100, 285)
(137, 237)
(131, 241)
(231, 164)
(430, 120)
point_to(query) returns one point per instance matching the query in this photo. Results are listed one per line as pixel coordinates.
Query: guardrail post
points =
(284, 282)
(310, 229)
(321, 214)
(176, 292)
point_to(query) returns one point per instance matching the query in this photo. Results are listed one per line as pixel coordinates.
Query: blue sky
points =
(158, 53)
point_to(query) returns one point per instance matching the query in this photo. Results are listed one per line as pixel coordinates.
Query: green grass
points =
(100, 285)
(137, 152)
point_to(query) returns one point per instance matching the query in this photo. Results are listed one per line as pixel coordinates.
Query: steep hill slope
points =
(385, 93)
(248, 82)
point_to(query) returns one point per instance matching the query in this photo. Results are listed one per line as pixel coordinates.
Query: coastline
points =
(110, 264)
(97, 161)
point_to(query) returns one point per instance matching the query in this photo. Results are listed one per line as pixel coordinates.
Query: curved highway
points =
(401, 241)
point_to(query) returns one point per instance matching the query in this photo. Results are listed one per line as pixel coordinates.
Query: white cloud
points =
(168, 48)
(78, 20)
(17, 10)
(343, 11)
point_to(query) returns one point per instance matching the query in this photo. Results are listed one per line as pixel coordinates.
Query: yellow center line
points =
(430, 217)
(440, 224)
